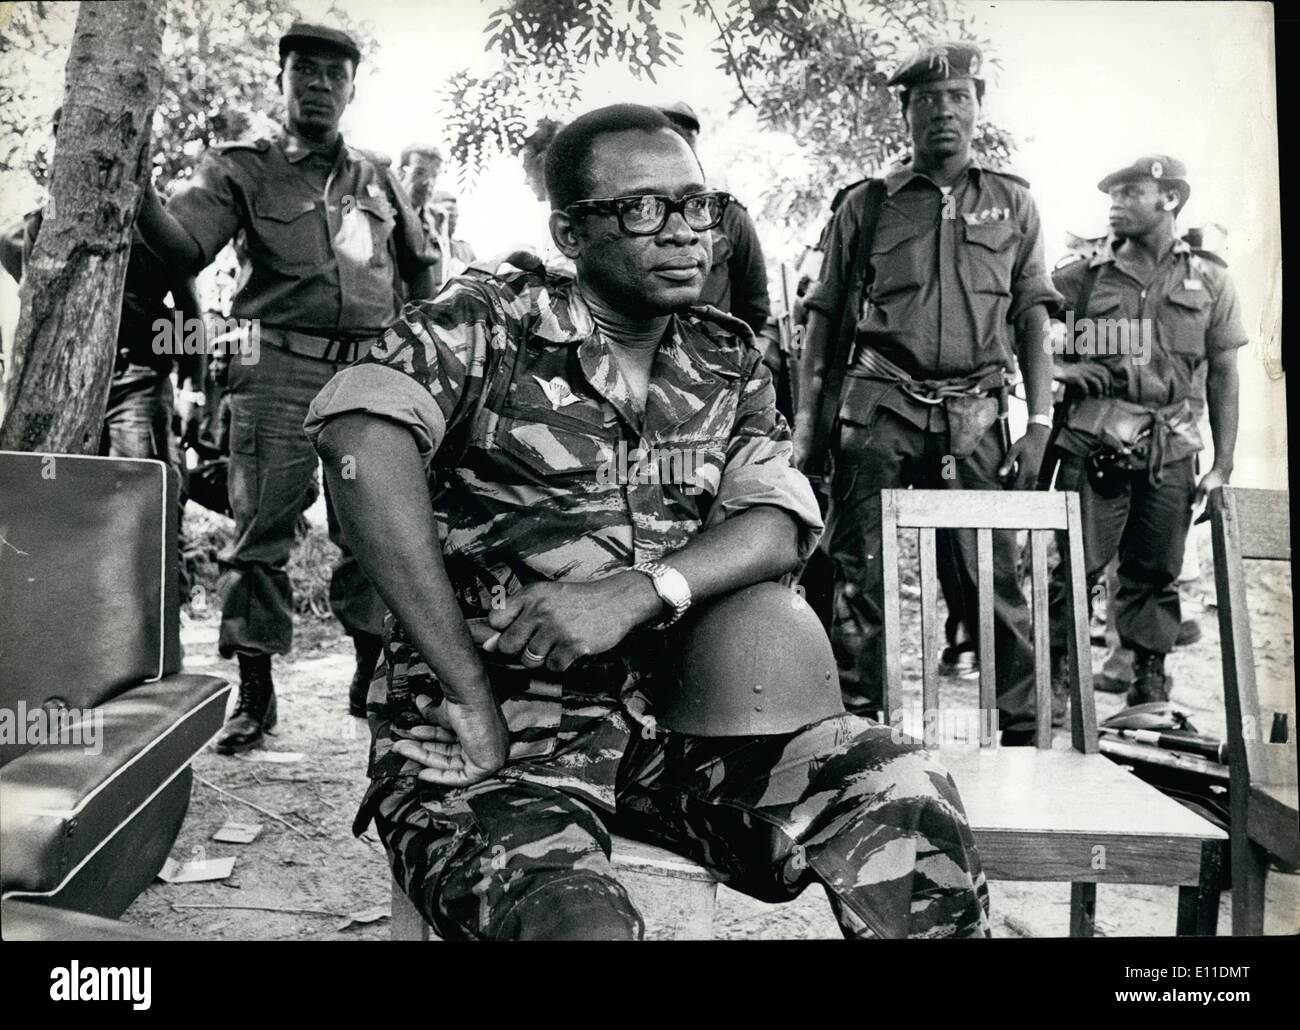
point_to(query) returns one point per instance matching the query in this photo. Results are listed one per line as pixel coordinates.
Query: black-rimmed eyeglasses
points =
(648, 214)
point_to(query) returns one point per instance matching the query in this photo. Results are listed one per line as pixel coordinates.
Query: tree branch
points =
(731, 59)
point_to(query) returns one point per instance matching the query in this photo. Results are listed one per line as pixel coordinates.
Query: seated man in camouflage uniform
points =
(468, 455)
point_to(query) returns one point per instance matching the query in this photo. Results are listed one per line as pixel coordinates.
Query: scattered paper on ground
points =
(237, 833)
(196, 871)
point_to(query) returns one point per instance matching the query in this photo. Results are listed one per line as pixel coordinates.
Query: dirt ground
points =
(306, 876)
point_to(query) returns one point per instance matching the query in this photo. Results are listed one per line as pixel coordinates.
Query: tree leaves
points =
(815, 69)
(220, 60)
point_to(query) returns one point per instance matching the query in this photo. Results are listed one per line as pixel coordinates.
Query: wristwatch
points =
(1041, 420)
(672, 588)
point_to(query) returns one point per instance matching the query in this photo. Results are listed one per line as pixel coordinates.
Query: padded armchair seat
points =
(59, 815)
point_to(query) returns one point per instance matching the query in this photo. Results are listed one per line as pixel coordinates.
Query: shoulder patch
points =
(1008, 175)
(260, 145)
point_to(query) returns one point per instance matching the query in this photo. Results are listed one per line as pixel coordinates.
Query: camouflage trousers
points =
(843, 802)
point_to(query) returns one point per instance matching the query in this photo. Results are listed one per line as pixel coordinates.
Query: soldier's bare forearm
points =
(751, 547)
(1033, 345)
(378, 488)
(165, 236)
(812, 367)
(1222, 388)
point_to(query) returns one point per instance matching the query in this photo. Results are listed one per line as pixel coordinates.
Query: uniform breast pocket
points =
(1187, 317)
(380, 220)
(990, 254)
(552, 445)
(895, 260)
(291, 229)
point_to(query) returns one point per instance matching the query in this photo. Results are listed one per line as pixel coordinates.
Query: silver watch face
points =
(672, 587)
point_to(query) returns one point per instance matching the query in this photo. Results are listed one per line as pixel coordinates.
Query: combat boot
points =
(255, 713)
(368, 647)
(1150, 681)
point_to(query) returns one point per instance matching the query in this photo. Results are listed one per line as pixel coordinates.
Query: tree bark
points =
(71, 296)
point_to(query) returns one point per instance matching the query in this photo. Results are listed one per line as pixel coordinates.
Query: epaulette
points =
(382, 160)
(1007, 175)
(1210, 256)
(260, 145)
(729, 323)
(1066, 260)
(844, 191)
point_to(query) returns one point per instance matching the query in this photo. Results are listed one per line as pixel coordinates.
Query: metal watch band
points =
(658, 574)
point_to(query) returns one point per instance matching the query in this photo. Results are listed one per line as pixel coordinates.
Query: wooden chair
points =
(1037, 813)
(1262, 785)
(674, 895)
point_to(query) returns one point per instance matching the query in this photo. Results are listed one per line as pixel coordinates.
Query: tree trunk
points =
(71, 297)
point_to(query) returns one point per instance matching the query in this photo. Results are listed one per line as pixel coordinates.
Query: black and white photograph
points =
(671, 470)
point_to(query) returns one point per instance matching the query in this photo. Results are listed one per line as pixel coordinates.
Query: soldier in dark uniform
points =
(737, 281)
(955, 262)
(1156, 332)
(334, 248)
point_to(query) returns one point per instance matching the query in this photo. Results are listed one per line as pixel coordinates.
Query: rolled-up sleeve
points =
(758, 472)
(425, 373)
(1031, 283)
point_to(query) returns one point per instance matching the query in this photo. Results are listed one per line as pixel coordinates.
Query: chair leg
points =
(1249, 870)
(405, 921)
(1083, 909)
(1198, 907)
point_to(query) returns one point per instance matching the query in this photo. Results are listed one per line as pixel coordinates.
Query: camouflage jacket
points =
(542, 468)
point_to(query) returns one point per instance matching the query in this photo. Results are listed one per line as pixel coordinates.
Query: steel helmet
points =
(753, 662)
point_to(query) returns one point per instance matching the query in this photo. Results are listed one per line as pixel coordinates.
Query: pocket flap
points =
(1193, 300)
(283, 209)
(992, 235)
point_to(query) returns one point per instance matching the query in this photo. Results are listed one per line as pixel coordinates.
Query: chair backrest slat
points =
(1083, 705)
(891, 689)
(1042, 650)
(988, 668)
(929, 623)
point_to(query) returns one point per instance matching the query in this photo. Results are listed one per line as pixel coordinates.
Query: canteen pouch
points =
(969, 418)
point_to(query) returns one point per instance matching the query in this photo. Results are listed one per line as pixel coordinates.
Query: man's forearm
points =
(1032, 345)
(165, 236)
(751, 547)
(378, 488)
(1222, 388)
(812, 366)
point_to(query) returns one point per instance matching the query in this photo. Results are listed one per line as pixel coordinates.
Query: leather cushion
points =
(58, 804)
(88, 579)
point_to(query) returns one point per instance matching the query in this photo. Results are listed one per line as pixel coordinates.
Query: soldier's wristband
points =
(1041, 420)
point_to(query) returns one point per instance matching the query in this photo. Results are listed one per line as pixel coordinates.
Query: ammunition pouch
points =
(1134, 436)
